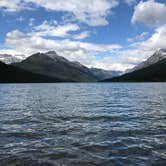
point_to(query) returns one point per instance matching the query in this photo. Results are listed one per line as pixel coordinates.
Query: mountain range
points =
(51, 65)
(151, 70)
(159, 55)
(11, 74)
(8, 59)
(104, 74)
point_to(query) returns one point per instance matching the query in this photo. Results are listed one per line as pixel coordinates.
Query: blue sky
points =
(109, 34)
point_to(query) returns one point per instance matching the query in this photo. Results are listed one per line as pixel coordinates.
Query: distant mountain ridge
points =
(11, 74)
(8, 59)
(152, 70)
(159, 55)
(97, 72)
(53, 65)
(104, 74)
(50, 64)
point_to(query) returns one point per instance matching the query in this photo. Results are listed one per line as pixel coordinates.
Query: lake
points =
(83, 124)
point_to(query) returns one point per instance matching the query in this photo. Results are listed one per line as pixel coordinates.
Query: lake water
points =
(83, 124)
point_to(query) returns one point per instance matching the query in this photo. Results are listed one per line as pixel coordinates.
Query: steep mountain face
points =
(156, 57)
(153, 73)
(50, 64)
(11, 74)
(6, 58)
(104, 74)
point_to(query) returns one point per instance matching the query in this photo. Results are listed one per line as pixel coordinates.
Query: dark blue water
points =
(83, 124)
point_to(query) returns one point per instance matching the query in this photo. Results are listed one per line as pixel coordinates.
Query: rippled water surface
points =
(83, 124)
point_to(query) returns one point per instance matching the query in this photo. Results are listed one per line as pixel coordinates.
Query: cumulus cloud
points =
(31, 21)
(137, 38)
(83, 52)
(82, 35)
(116, 57)
(14, 5)
(10, 6)
(52, 29)
(139, 51)
(91, 12)
(150, 12)
(123, 59)
(130, 2)
(156, 41)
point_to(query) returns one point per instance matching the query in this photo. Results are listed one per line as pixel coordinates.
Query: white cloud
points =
(137, 38)
(10, 5)
(82, 35)
(122, 59)
(20, 19)
(9, 52)
(130, 2)
(31, 21)
(140, 50)
(150, 12)
(14, 5)
(52, 29)
(135, 53)
(83, 52)
(156, 41)
(91, 12)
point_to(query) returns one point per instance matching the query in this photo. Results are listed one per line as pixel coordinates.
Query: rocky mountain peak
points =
(55, 56)
(159, 55)
(162, 50)
(51, 53)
